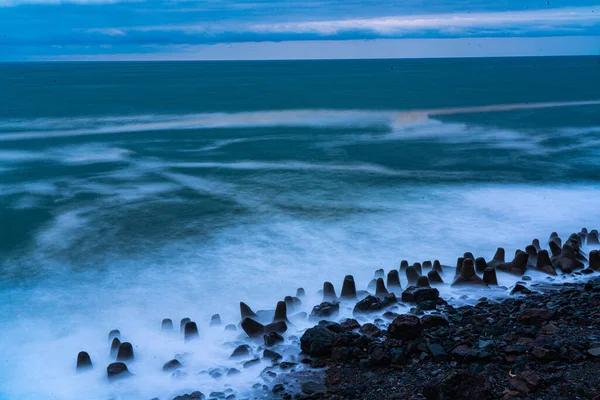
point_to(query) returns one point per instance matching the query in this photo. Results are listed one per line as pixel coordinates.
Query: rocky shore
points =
(535, 339)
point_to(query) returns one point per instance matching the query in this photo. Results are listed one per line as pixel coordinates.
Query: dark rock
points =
(498, 258)
(543, 263)
(595, 260)
(418, 268)
(405, 326)
(489, 276)
(370, 330)
(535, 316)
(393, 281)
(592, 238)
(368, 304)
(517, 266)
(171, 365)
(434, 277)
(380, 290)
(414, 294)
(532, 254)
(117, 370)
(215, 320)
(114, 347)
(348, 288)
(423, 282)
(230, 327)
(536, 243)
(317, 341)
(253, 328)
(182, 324)
(379, 273)
(372, 285)
(427, 265)
(279, 327)
(437, 266)
(433, 321)
(190, 331)
(125, 352)
(280, 312)
(300, 293)
(412, 275)
(520, 289)
(251, 363)
(329, 292)
(403, 265)
(567, 261)
(459, 265)
(115, 333)
(192, 396)
(246, 311)
(272, 338)
(350, 324)
(437, 351)
(480, 264)
(379, 357)
(554, 248)
(470, 255)
(166, 325)
(242, 351)
(458, 384)
(427, 305)
(311, 388)
(271, 355)
(468, 275)
(233, 371)
(84, 361)
(325, 310)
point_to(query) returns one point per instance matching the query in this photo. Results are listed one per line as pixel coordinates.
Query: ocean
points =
(133, 192)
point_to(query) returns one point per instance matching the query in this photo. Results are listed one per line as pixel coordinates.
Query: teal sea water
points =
(131, 192)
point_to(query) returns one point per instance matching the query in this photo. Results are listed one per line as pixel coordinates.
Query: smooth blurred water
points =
(130, 192)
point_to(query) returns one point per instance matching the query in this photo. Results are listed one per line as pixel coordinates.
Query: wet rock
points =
(231, 327)
(246, 311)
(182, 324)
(125, 352)
(592, 238)
(84, 362)
(317, 341)
(166, 325)
(242, 351)
(418, 268)
(403, 265)
(412, 275)
(325, 310)
(215, 320)
(433, 321)
(414, 294)
(117, 370)
(536, 243)
(520, 289)
(468, 275)
(437, 266)
(423, 282)
(280, 312)
(253, 328)
(535, 316)
(271, 355)
(405, 326)
(458, 384)
(370, 330)
(251, 363)
(489, 276)
(393, 281)
(372, 285)
(329, 292)
(190, 331)
(278, 327)
(114, 347)
(498, 258)
(543, 263)
(427, 265)
(311, 388)
(459, 265)
(595, 260)
(532, 254)
(233, 371)
(171, 365)
(272, 338)
(480, 264)
(526, 382)
(566, 261)
(192, 396)
(115, 333)
(300, 293)
(380, 290)
(470, 255)
(554, 249)
(437, 351)
(379, 273)
(434, 277)
(517, 266)
(379, 357)
(349, 324)
(348, 288)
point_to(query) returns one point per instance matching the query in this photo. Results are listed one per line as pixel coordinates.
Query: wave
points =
(317, 118)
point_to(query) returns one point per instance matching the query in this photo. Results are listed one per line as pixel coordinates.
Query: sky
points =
(34, 30)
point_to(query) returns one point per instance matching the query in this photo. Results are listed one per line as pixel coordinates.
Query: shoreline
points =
(536, 344)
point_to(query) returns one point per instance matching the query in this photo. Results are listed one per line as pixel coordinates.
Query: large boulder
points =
(317, 341)
(325, 310)
(405, 326)
(535, 316)
(117, 370)
(414, 294)
(372, 303)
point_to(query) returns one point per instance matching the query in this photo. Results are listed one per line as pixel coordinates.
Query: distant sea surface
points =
(130, 192)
